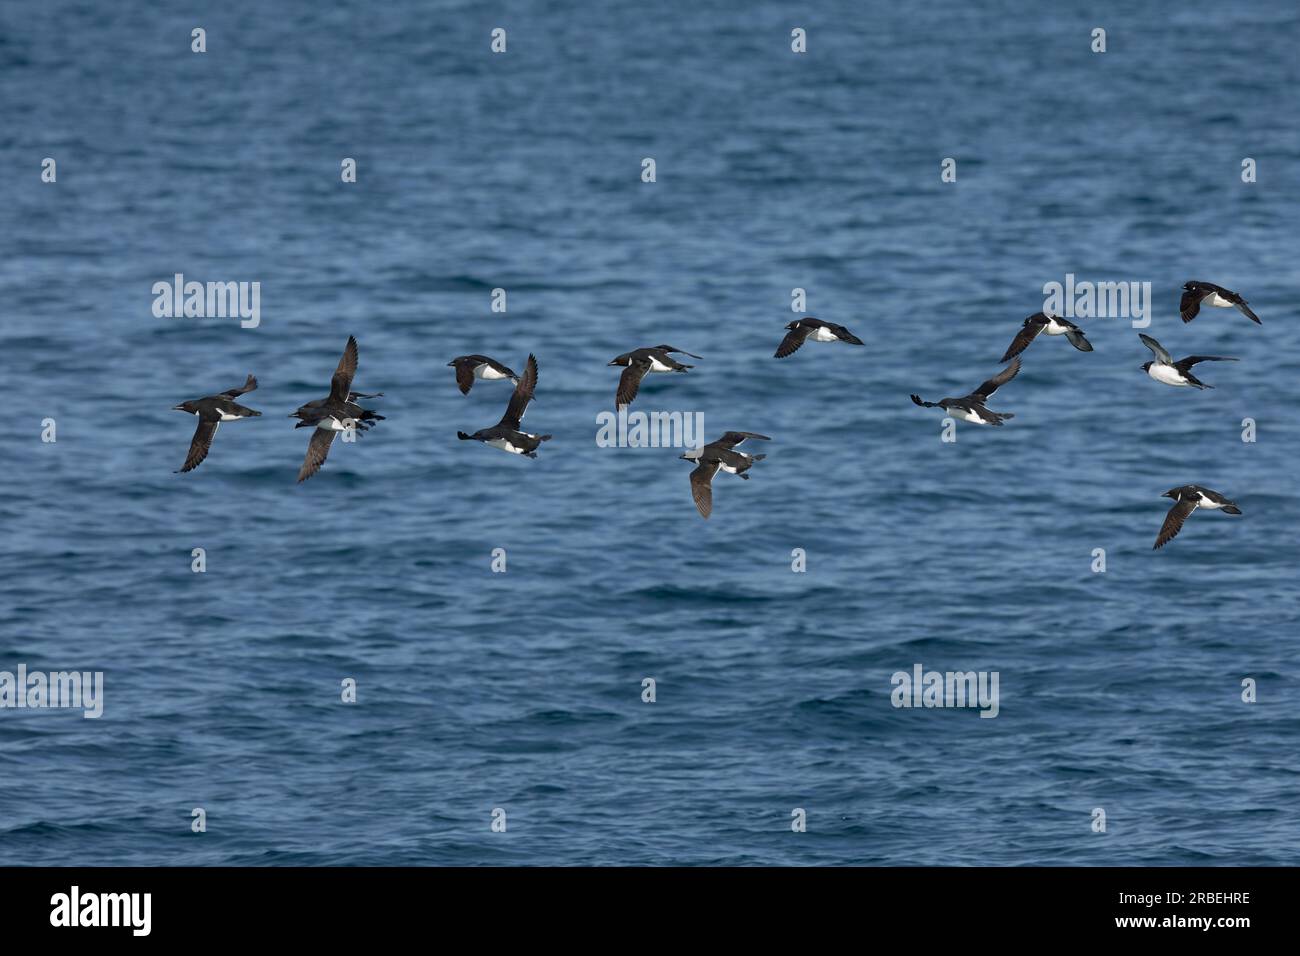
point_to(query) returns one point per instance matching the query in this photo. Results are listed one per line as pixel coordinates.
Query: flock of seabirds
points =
(339, 411)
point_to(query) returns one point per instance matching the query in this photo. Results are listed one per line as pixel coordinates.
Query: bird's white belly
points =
(1217, 300)
(488, 373)
(1205, 502)
(1166, 374)
(965, 415)
(658, 366)
(504, 445)
(227, 417)
(331, 425)
(821, 334)
(1052, 328)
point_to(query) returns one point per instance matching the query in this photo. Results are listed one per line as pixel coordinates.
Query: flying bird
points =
(506, 433)
(470, 367)
(641, 361)
(715, 455)
(817, 331)
(1050, 324)
(1186, 500)
(1197, 294)
(1165, 369)
(211, 412)
(337, 412)
(970, 408)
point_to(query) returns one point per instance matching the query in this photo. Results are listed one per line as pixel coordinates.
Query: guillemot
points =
(641, 361)
(1187, 499)
(1165, 369)
(1197, 294)
(1051, 325)
(506, 434)
(212, 410)
(970, 408)
(470, 367)
(817, 331)
(715, 455)
(335, 413)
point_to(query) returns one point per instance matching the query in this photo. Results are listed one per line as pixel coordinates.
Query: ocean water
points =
(521, 691)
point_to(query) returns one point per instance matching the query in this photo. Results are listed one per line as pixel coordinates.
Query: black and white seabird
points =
(470, 367)
(1051, 325)
(715, 455)
(364, 417)
(212, 411)
(506, 434)
(1186, 500)
(1165, 369)
(815, 330)
(637, 363)
(970, 408)
(1197, 294)
(338, 412)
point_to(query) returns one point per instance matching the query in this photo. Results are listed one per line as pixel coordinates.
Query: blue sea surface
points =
(522, 691)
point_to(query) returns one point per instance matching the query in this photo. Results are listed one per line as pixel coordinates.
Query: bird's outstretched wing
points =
(732, 439)
(630, 381)
(1158, 350)
(249, 384)
(1244, 309)
(1076, 338)
(1184, 364)
(341, 383)
(464, 377)
(522, 395)
(669, 348)
(1174, 521)
(702, 486)
(318, 450)
(844, 335)
(200, 444)
(793, 339)
(982, 393)
(1190, 304)
(1028, 332)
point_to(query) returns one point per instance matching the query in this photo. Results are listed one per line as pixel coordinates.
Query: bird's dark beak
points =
(612, 363)
(178, 408)
(450, 364)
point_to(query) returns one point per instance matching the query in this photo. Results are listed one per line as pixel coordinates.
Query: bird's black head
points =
(185, 407)
(793, 325)
(1146, 366)
(1172, 493)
